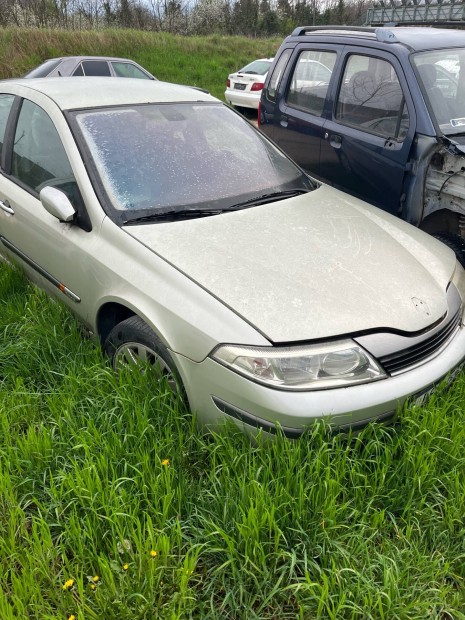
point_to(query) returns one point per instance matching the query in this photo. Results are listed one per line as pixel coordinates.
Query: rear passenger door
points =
(368, 137)
(303, 104)
(98, 68)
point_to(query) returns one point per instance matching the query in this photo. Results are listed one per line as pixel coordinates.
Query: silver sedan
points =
(96, 66)
(184, 239)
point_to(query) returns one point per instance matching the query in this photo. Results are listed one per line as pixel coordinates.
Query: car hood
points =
(315, 266)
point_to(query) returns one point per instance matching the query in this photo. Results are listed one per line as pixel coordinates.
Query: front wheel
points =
(132, 344)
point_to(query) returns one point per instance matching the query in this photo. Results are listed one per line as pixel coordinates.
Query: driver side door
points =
(49, 251)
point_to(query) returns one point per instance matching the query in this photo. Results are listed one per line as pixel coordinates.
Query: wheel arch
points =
(110, 314)
(442, 221)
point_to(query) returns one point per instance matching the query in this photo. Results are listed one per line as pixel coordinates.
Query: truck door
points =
(367, 141)
(302, 105)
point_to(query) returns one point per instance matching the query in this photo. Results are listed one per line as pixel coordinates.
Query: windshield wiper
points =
(265, 198)
(173, 214)
(185, 214)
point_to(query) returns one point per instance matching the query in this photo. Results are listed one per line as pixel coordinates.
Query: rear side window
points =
(276, 75)
(310, 81)
(6, 101)
(96, 67)
(371, 98)
(79, 71)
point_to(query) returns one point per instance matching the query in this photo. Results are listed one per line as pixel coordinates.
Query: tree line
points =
(196, 17)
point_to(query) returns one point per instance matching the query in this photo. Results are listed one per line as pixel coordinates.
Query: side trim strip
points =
(248, 418)
(59, 285)
(293, 433)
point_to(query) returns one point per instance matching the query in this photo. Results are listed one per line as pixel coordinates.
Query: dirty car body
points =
(273, 301)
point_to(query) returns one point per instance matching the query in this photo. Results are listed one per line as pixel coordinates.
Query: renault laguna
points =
(184, 239)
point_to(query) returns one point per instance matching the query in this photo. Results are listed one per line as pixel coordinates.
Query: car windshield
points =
(259, 67)
(155, 157)
(442, 75)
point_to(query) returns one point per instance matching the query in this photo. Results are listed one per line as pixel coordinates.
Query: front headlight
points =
(315, 367)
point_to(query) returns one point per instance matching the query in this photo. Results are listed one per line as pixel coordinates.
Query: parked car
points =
(102, 66)
(243, 87)
(276, 300)
(387, 124)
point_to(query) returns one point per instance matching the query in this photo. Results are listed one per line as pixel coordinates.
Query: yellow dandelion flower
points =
(165, 462)
(125, 566)
(69, 583)
(93, 586)
(71, 617)
(153, 553)
(95, 578)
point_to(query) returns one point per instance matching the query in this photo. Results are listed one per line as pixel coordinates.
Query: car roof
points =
(416, 38)
(89, 92)
(81, 58)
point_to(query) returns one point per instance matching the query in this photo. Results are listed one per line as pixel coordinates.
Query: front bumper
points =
(216, 394)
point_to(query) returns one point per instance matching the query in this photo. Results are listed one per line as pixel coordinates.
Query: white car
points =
(243, 88)
(181, 237)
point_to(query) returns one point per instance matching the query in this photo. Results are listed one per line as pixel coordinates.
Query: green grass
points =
(324, 527)
(197, 61)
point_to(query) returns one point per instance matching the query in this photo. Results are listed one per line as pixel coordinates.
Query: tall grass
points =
(197, 61)
(104, 480)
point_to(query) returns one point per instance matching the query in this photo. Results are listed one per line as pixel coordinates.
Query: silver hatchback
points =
(183, 238)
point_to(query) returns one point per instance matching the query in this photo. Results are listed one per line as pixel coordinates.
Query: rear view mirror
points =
(57, 204)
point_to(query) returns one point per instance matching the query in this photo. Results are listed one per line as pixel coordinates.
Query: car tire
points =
(132, 343)
(454, 242)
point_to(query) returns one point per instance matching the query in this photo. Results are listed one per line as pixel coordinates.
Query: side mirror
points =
(57, 204)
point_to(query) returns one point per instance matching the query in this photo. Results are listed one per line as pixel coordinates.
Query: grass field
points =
(113, 506)
(105, 481)
(197, 61)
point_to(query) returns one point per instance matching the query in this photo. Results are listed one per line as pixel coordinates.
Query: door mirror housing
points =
(57, 204)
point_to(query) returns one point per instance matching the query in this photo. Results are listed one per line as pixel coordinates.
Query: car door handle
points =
(5, 206)
(284, 121)
(335, 141)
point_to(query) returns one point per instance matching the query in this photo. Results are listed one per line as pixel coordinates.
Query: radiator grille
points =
(406, 358)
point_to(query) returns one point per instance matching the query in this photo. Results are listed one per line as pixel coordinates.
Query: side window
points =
(39, 158)
(6, 101)
(96, 67)
(276, 75)
(310, 81)
(79, 71)
(371, 98)
(126, 69)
